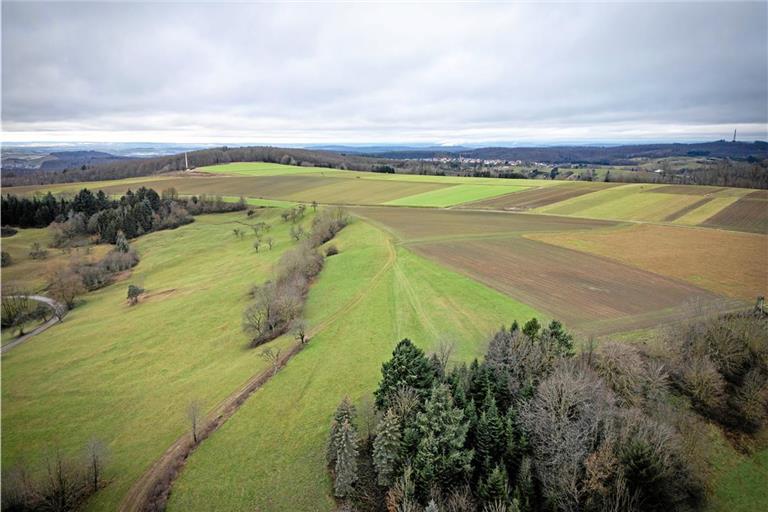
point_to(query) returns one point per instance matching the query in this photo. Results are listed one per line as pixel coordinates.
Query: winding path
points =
(40, 328)
(158, 478)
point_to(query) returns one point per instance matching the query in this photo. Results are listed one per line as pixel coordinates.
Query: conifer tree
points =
(432, 506)
(346, 460)
(387, 448)
(122, 243)
(494, 488)
(490, 441)
(531, 328)
(441, 459)
(408, 367)
(344, 412)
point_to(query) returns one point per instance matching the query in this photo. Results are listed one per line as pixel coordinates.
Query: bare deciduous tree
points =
(272, 357)
(96, 454)
(194, 416)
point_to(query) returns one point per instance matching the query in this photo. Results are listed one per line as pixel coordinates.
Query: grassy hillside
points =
(272, 450)
(126, 374)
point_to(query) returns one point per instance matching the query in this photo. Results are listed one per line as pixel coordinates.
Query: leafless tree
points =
(272, 357)
(270, 242)
(565, 420)
(443, 353)
(194, 416)
(16, 309)
(64, 284)
(96, 453)
(300, 331)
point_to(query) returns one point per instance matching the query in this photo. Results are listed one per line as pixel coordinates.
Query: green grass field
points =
(454, 195)
(272, 450)
(126, 374)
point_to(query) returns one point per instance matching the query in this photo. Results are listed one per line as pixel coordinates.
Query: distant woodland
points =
(734, 164)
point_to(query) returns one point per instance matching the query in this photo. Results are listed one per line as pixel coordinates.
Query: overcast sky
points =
(340, 72)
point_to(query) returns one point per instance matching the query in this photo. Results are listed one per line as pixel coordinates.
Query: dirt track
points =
(37, 330)
(154, 485)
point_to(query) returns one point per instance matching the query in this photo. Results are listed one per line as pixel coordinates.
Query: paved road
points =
(53, 320)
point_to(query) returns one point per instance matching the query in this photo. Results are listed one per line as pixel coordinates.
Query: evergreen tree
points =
(387, 448)
(408, 367)
(490, 442)
(441, 459)
(524, 490)
(563, 339)
(346, 460)
(122, 243)
(344, 412)
(494, 488)
(531, 328)
(432, 506)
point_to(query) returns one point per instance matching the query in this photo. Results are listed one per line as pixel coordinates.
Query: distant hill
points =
(71, 166)
(600, 155)
(24, 162)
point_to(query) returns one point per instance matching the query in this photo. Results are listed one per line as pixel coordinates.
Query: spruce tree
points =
(494, 488)
(344, 412)
(531, 328)
(562, 337)
(408, 367)
(122, 243)
(432, 506)
(441, 459)
(346, 460)
(490, 441)
(387, 448)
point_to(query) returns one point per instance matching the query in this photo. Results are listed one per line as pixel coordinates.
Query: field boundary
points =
(151, 490)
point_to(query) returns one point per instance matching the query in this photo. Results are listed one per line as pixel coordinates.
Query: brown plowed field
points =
(594, 295)
(725, 262)
(529, 199)
(747, 214)
(301, 187)
(432, 223)
(687, 209)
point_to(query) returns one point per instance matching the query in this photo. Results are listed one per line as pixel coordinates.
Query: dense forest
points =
(135, 213)
(536, 427)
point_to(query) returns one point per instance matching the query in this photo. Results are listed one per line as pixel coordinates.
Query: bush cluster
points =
(277, 304)
(721, 363)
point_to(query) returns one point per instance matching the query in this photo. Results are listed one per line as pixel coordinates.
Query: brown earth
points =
(724, 262)
(592, 294)
(750, 213)
(300, 187)
(433, 223)
(529, 199)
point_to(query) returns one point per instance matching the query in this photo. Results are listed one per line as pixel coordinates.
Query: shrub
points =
(36, 252)
(5, 259)
(133, 293)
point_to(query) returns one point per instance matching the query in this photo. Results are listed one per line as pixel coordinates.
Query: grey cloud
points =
(384, 72)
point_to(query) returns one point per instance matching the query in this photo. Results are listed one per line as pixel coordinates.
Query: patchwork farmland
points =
(429, 258)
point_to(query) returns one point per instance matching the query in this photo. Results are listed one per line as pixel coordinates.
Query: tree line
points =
(536, 427)
(95, 214)
(277, 304)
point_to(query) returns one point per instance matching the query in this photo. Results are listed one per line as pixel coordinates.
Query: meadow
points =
(430, 258)
(275, 445)
(144, 363)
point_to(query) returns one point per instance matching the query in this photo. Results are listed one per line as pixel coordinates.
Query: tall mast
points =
(186, 162)
(734, 135)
